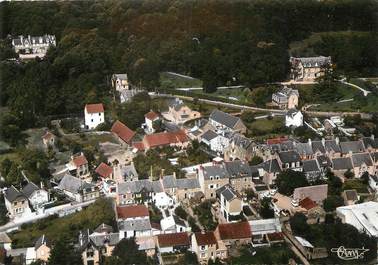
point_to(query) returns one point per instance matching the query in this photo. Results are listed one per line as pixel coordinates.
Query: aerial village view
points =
(188, 132)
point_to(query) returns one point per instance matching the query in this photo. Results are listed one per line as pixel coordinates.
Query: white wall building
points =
(37, 196)
(94, 115)
(120, 82)
(162, 200)
(31, 47)
(294, 118)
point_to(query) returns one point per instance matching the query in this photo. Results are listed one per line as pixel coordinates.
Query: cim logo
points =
(349, 253)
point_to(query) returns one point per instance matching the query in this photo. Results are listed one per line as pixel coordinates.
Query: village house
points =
(212, 178)
(240, 147)
(350, 147)
(129, 172)
(78, 166)
(42, 248)
(370, 143)
(286, 98)
(293, 118)
(16, 202)
(308, 68)
(341, 165)
(317, 193)
(217, 142)
(104, 171)
(138, 191)
(30, 47)
(37, 196)
(269, 171)
(97, 245)
(48, 139)
(230, 203)
(225, 121)
(77, 189)
(124, 134)
(176, 139)
(120, 82)
(350, 197)
(182, 188)
(266, 232)
(311, 169)
(169, 243)
(149, 120)
(179, 113)
(315, 213)
(304, 149)
(234, 234)
(241, 175)
(207, 247)
(173, 224)
(362, 163)
(290, 160)
(94, 115)
(133, 221)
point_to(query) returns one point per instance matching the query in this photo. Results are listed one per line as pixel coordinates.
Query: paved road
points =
(66, 208)
(364, 91)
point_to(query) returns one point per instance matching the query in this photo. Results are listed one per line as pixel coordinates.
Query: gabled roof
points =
(42, 240)
(227, 192)
(317, 146)
(11, 194)
(342, 163)
(324, 161)
(205, 238)
(94, 108)
(134, 225)
(289, 157)
(351, 195)
(129, 171)
(332, 146)
(104, 228)
(224, 118)
(209, 135)
(352, 146)
(317, 193)
(138, 186)
(271, 166)
(132, 211)
(29, 189)
(307, 203)
(122, 131)
(311, 166)
(303, 148)
(241, 141)
(151, 115)
(215, 171)
(370, 142)
(111, 239)
(164, 138)
(173, 240)
(318, 61)
(79, 160)
(234, 230)
(73, 184)
(363, 158)
(186, 183)
(238, 168)
(104, 170)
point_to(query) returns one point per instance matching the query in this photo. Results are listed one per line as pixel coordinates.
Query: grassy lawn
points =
(92, 139)
(239, 95)
(356, 184)
(278, 254)
(168, 80)
(89, 218)
(263, 127)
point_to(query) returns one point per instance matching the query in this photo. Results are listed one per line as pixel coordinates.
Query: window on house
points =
(91, 120)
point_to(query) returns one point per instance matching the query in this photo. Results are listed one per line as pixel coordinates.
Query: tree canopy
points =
(288, 180)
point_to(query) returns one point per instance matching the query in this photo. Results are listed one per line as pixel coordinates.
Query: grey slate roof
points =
(303, 149)
(223, 118)
(351, 146)
(271, 166)
(42, 240)
(317, 146)
(363, 158)
(370, 142)
(238, 169)
(313, 61)
(138, 185)
(111, 239)
(289, 157)
(227, 192)
(120, 76)
(104, 228)
(374, 156)
(29, 189)
(216, 171)
(11, 194)
(129, 171)
(310, 166)
(134, 225)
(169, 182)
(324, 161)
(331, 145)
(209, 135)
(186, 183)
(342, 163)
(241, 141)
(73, 184)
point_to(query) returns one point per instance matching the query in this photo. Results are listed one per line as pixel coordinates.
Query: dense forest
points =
(220, 42)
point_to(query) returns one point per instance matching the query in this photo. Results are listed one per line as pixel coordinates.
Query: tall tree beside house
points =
(63, 253)
(288, 180)
(126, 252)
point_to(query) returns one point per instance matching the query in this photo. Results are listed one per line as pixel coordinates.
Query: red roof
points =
(80, 160)
(164, 138)
(132, 211)
(277, 236)
(234, 230)
(205, 238)
(175, 239)
(94, 108)
(104, 170)
(277, 140)
(139, 146)
(151, 115)
(307, 203)
(122, 131)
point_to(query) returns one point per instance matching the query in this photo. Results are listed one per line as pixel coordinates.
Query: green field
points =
(168, 80)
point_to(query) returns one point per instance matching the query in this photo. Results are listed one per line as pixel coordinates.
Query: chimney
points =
(323, 141)
(337, 140)
(81, 238)
(174, 174)
(309, 141)
(372, 136)
(41, 183)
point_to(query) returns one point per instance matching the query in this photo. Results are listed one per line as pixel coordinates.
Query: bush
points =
(180, 212)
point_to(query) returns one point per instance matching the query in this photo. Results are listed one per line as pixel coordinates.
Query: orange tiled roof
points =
(80, 160)
(132, 211)
(123, 132)
(307, 203)
(205, 238)
(104, 170)
(175, 239)
(165, 138)
(151, 115)
(234, 230)
(94, 108)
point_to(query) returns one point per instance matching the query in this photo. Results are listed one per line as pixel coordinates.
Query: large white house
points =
(37, 196)
(217, 142)
(93, 115)
(294, 118)
(31, 47)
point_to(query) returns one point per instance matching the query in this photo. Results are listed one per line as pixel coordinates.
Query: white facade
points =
(120, 82)
(169, 225)
(294, 118)
(219, 143)
(93, 119)
(162, 200)
(38, 198)
(31, 47)
(373, 182)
